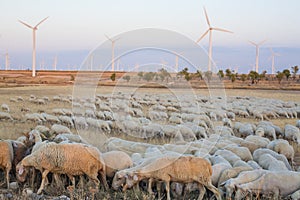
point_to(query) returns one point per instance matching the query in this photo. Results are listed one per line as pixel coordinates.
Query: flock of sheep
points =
(184, 144)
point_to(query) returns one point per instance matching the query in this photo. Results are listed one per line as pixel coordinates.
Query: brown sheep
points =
(185, 169)
(69, 159)
(6, 157)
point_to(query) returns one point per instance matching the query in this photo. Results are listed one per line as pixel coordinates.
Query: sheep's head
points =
(131, 180)
(20, 151)
(21, 172)
(118, 180)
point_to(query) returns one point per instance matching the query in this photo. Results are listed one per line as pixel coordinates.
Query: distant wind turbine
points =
(176, 61)
(112, 52)
(209, 30)
(273, 54)
(6, 61)
(257, 45)
(55, 63)
(34, 28)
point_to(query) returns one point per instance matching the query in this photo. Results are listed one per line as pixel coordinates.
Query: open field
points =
(16, 128)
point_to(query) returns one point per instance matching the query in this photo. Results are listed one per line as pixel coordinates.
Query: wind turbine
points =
(55, 63)
(257, 45)
(6, 61)
(273, 54)
(210, 30)
(34, 28)
(112, 52)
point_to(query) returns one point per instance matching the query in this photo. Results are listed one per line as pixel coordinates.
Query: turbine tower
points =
(257, 45)
(6, 61)
(34, 28)
(55, 63)
(176, 61)
(210, 30)
(273, 54)
(112, 52)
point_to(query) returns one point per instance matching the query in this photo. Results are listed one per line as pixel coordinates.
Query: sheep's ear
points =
(15, 145)
(21, 170)
(135, 178)
(222, 184)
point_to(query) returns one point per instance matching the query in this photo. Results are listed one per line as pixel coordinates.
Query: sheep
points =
(227, 122)
(228, 155)
(217, 171)
(50, 118)
(187, 133)
(66, 120)
(175, 120)
(295, 195)
(115, 161)
(253, 164)
(184, 169)
(267, 130)
(257, 153)
(80, 122)
(246, 130)
(279, 184)
(70, 159)
(5, 107)
(292, 133)
(59, 129)
(232, 173)
(243, 177)
(34, 117)
(5, 116)
(69, 138)
(266, 161)
(6, 158)
(282, 147)
(243, 152)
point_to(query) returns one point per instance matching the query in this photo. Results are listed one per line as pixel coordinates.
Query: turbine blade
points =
(262, 42)
(252, 43)
(204, 34)
(41, 22)
(25, 24)
(108, 37)
(206, 16)
(223, 30)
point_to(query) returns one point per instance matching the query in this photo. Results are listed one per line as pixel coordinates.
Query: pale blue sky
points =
(81, 25)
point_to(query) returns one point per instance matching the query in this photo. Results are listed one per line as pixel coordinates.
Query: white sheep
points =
(59, 129)
(50, 118)
(292, 133)
(279, 184)
(5, 107)
(5, 116)
(283, 147)
(66, 120)
(115, 161)
(266, 161)
(69, 159)
(34, 117)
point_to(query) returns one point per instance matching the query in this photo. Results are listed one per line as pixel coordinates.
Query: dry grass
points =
(12, 130)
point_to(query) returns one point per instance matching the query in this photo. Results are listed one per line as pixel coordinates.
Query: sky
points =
(74, 28)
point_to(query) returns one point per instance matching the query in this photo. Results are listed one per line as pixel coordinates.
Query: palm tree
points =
(295, 70)
(279, 76)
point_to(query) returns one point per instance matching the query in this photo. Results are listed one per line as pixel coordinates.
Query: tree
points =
(263, 74)
(198, 74)
(221, 74)
(243, 77)
(295, 70)
(140, 75)
(287, 73)
(113, 76)
(208, 75)
(228, 73)
(163, 73)
(233, 77)
(279, 76)
(127, 78)
(185, 73)
(254, 77)
(149, 76)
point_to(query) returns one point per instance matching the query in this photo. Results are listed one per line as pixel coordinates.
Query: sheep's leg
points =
(7, 177)
(44, 177)
(150, 186)
(158, 188)
(103, 178)
(212, 188)
(72, 179)
(168, 190)
(202, 191)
